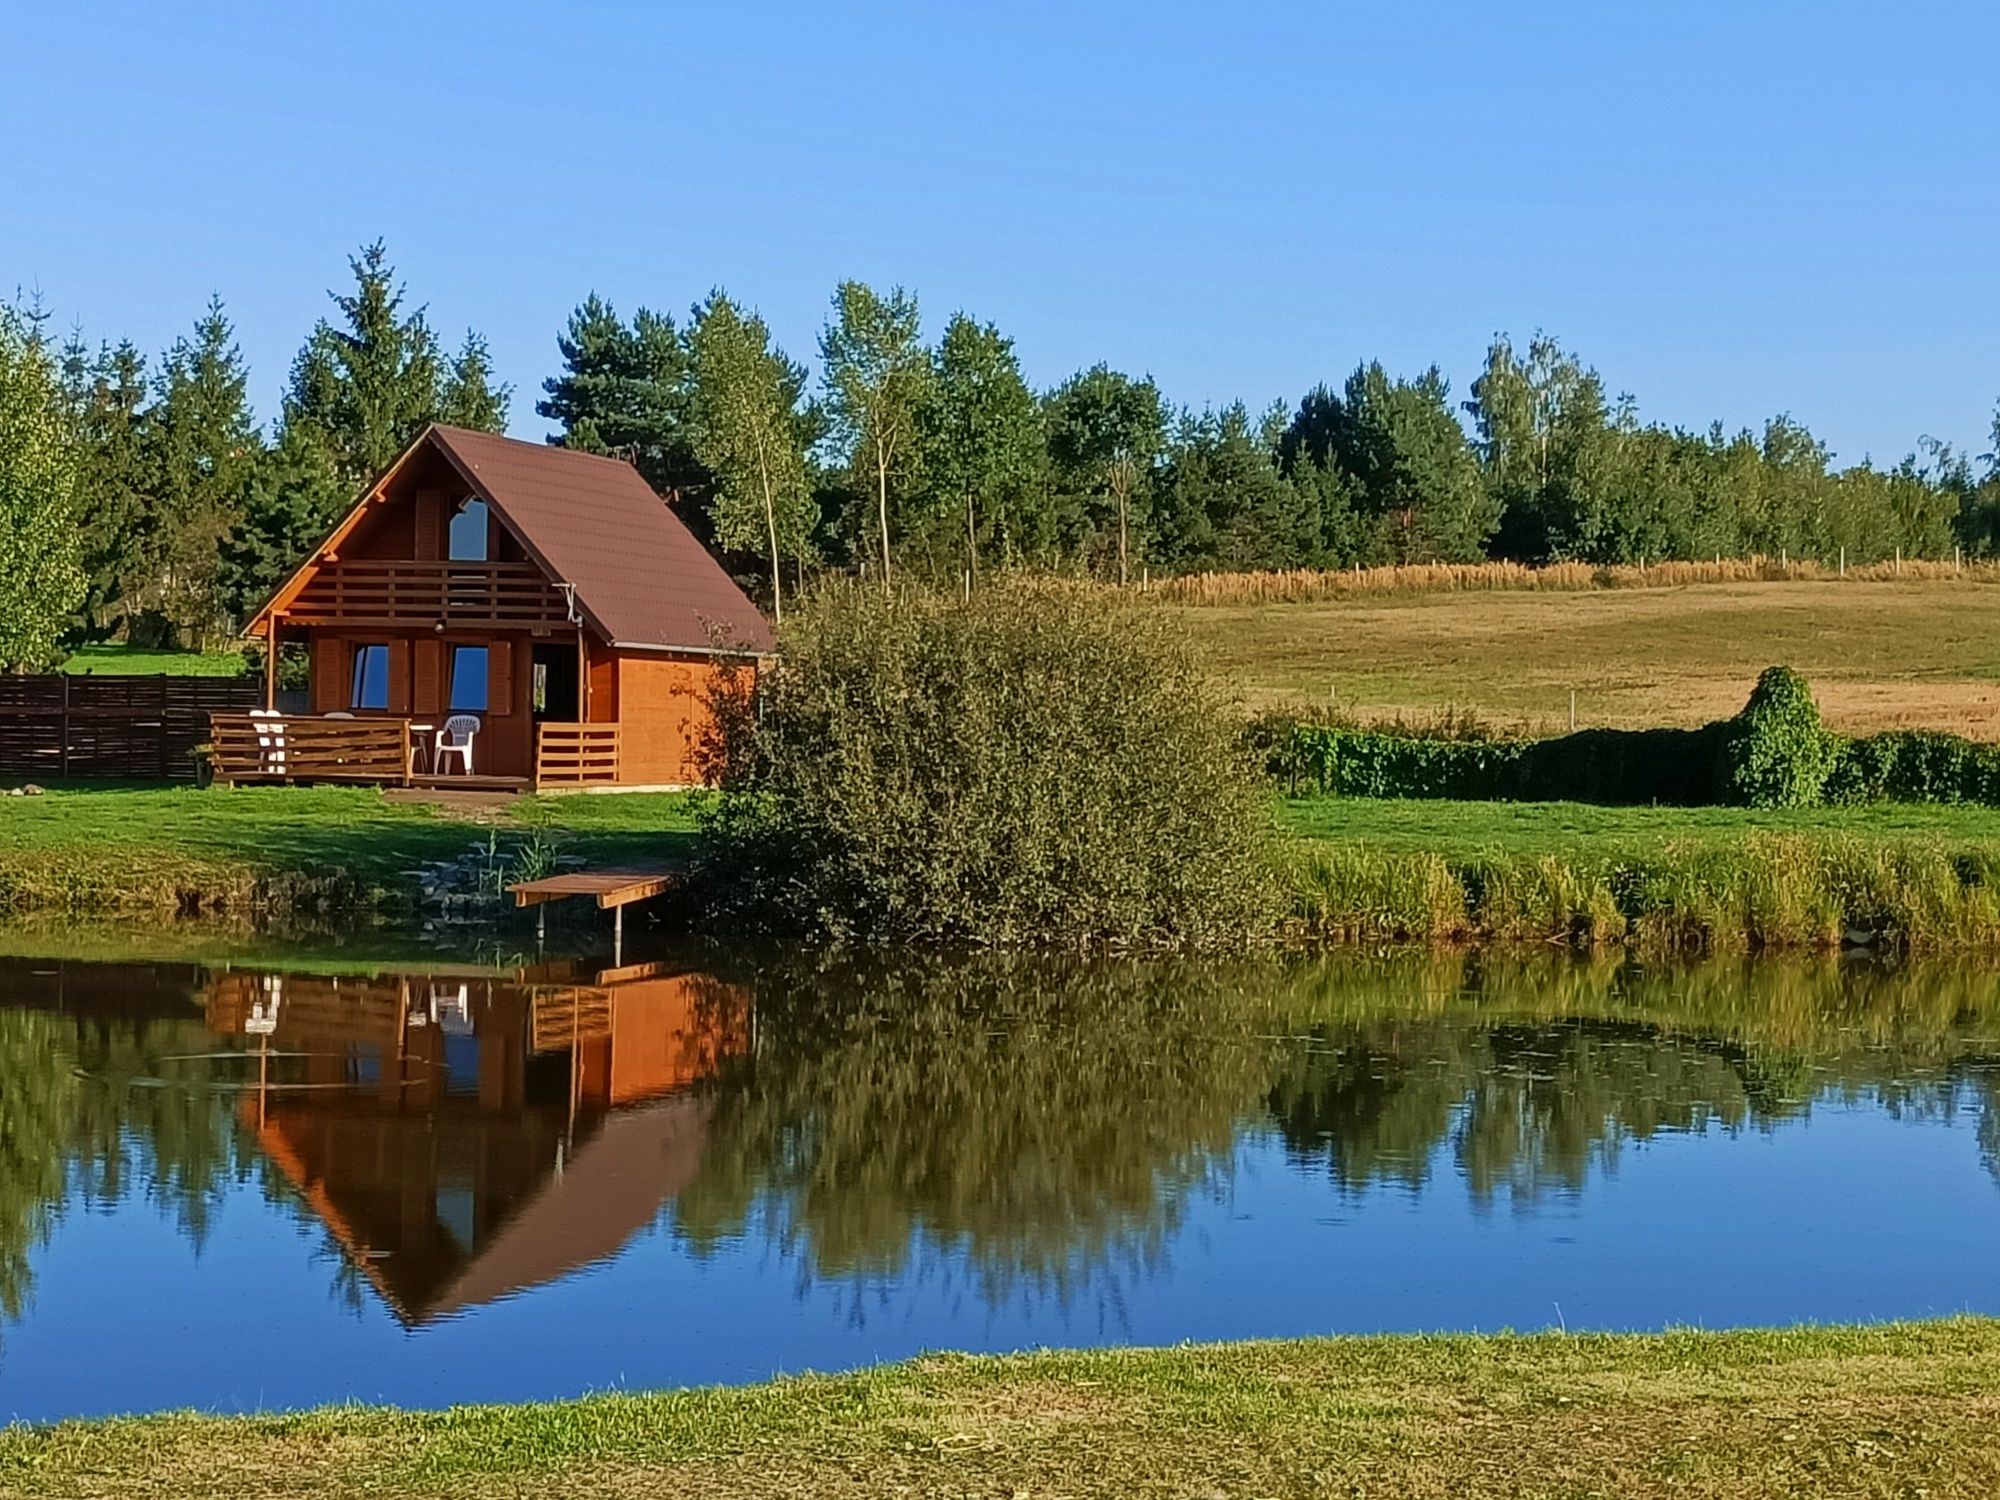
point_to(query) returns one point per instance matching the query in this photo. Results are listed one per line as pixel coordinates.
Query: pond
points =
(266, 1184)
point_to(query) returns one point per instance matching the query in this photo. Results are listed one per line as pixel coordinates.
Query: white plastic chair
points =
(456, 739)
(270, 742)
(338, 713)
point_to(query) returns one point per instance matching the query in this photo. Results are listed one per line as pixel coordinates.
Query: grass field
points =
(1880, 655)
(1902, 1410)
(112, 659)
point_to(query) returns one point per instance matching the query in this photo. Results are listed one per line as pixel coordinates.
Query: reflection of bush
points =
(1038, 1117)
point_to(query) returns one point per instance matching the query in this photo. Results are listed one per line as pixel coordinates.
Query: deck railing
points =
(576, 754)
(258, 747)
(380, 592)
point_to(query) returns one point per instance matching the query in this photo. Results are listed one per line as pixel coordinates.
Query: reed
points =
(1794, 891)
(1304, 585)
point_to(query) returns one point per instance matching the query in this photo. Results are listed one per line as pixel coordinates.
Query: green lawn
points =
(111, 659)
(1901, 1410)
(1456, 829)
(149, 847)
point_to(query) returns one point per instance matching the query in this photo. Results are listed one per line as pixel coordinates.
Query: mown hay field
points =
(1880, 654)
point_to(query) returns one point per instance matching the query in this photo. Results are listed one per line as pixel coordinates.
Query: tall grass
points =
(1769, 891)
(1303, 585)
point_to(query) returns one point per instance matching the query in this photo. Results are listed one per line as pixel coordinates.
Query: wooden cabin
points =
(548, 594)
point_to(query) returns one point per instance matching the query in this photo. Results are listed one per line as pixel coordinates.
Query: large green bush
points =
(1776, 753)
(1040, 764)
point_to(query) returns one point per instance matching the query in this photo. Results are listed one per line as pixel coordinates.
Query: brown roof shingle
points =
(641, 577)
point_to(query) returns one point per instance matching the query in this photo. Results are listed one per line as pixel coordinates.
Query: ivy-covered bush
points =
(1777, 753)
(1915, 765)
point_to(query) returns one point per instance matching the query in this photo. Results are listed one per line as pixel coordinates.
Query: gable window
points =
(468, 679)
(467, 541)
(370, 688)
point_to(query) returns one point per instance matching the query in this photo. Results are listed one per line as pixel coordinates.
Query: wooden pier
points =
(614, 890)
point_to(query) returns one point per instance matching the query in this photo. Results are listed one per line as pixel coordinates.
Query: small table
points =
(420, 745)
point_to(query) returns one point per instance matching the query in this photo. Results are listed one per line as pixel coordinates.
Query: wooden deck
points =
(613, 890)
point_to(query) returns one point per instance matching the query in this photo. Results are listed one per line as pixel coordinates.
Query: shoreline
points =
(1897, 1408)
(1354, 872)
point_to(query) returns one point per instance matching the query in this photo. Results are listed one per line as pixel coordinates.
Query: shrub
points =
(1776, 753)
(1040, 764)
(1907, 765)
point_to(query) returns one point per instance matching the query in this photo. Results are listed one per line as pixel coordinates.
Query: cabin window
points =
(370, 688)
(467, 541)
(468, 679)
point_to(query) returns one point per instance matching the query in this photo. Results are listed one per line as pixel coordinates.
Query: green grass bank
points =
(1678, 879)
(1685, 879)
(1893, 1410)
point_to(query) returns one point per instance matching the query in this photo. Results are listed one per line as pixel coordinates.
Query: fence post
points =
(62, 729)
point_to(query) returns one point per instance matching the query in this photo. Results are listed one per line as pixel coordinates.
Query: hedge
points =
(1774, 754)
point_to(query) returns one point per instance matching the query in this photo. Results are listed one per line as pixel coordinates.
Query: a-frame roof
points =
(640, 577)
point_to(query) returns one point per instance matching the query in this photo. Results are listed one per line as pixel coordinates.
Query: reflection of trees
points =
(1040, 1119)
(1534, 1072)
(101, 1110)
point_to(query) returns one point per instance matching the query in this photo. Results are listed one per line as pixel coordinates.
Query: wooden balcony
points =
(377, 593)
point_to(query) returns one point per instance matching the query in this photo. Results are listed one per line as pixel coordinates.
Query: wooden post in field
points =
(1957, 560)
(1899, 562)
(1843, 562)
(1572, 710)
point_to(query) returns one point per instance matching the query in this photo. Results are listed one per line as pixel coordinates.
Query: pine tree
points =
(628, 390)
(1416, 480)
(294, 499)
(40, 465)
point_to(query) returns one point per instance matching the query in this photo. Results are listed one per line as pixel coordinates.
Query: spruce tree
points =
(205, 449)
(107, 397)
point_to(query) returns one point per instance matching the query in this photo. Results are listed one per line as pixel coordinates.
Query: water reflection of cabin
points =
(462, 1137)
(548, 593)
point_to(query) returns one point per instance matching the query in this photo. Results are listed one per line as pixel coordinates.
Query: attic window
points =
(467, 542)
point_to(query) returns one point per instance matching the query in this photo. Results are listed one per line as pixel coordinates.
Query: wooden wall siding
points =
(386, 592)
(427, 684)
(663, 711)
(56, 725)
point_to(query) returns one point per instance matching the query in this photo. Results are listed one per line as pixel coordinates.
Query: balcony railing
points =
(576, 754)
(271, 747)
(378, 592)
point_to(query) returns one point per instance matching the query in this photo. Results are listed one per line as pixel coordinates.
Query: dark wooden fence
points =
(142, 727)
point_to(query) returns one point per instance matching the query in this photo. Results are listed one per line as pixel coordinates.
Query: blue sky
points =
(1731, 209)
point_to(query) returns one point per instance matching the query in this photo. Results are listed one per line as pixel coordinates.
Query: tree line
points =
(141, 498)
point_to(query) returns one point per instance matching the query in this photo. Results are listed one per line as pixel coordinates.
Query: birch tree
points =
(40, 545)
(749, 435)
(877, 373)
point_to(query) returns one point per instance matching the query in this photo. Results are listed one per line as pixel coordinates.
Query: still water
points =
(239, 1186)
